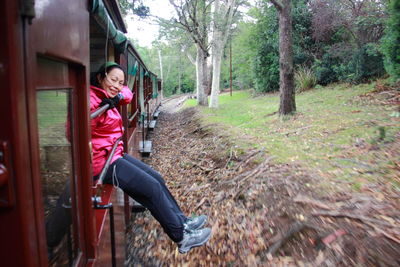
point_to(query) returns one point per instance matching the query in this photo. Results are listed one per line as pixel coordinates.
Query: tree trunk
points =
(201, 81)
(222, 22)
(161, 73)
(209, 75)
(286, 71)
(216, 64)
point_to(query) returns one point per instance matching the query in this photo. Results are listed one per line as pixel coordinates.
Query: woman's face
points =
(113, 82)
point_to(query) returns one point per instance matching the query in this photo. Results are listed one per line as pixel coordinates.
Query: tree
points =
(193, 16)
(286, 72)
(135, 7)
(391, 42)
(223, 15)
(348, 32)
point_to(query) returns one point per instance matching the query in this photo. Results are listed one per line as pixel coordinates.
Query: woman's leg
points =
(146, 168)
(60, 219)
(148, 191)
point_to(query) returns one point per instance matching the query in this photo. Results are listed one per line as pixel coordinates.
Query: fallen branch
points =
(205, 169)
(366, 220)
(252, 175)
(304, 199)
(352, 216)
(248, 158)
(386, 234)
(297, 130)
(294, 229)
(229, 159)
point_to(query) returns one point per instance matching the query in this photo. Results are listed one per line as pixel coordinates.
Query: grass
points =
(52, 115)
(335, 133)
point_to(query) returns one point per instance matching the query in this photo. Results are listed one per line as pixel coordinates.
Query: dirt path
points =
(262, 214)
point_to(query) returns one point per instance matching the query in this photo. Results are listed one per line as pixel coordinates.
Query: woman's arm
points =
(126, 96)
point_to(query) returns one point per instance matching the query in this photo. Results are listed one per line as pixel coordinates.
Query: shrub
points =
(366, 63)
(305, 79)
(324, 69)
(342, 62)
(391, 41)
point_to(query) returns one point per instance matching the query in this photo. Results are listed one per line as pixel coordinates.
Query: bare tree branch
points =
(277, 4)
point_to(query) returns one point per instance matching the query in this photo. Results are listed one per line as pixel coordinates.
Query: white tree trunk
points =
(216, 69)
(201, 82)
(161, 74)
(222, 21)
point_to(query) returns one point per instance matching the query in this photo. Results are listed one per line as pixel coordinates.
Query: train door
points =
(57, 84)
(56, 64)
(18, 227)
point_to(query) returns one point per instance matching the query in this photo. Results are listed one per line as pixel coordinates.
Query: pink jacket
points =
(106, 128)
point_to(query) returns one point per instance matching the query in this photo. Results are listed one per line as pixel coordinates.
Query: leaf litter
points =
(261, 213)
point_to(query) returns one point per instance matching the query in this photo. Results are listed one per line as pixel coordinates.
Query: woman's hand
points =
(112, 102)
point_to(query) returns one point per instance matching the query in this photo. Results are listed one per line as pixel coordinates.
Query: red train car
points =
(49, 52)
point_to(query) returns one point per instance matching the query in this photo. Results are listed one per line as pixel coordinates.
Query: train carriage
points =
(50, 50)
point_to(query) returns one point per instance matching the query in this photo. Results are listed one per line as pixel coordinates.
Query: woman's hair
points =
(103, 70)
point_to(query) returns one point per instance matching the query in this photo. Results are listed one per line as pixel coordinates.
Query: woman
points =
(135, 178)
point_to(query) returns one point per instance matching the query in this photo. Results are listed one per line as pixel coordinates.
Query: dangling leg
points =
(146, 168)
(59, 220)
(151, 193)
(190, 223)
(148, 191)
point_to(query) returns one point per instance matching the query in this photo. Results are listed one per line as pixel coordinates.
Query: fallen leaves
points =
(260, 213)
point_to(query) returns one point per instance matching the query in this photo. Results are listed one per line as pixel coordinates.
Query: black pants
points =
(140, 182)
(147, 187)
(60, 220)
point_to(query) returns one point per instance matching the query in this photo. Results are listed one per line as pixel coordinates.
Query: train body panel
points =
(51, 49)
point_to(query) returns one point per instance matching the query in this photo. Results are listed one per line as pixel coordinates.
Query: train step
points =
(156, 114)
(145, 149)
(152, 125)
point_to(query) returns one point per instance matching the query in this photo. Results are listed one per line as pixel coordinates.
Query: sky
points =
(143, 30)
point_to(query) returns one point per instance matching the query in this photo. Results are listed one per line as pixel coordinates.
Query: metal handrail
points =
(107, 164)
(131, 118)
(99, 111)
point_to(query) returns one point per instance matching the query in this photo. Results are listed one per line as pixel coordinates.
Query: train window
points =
(55, 140)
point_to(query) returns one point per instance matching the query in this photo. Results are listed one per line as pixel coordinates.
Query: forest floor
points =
(262, 213)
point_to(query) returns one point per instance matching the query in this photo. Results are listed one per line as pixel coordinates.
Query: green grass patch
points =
(52, 106)
(333, 132)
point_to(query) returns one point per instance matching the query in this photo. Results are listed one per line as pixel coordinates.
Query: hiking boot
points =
(195, 223)
(194, 238)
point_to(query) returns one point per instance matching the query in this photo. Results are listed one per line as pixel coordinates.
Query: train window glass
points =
(56, 165)
(131, 84)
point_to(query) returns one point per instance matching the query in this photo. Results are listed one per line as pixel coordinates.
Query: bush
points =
(391, 41)
(266, 69)
(366, 63)
(347, 64)
(305, 79)
(324, 69)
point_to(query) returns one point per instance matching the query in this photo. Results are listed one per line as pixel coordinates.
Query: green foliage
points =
(243, 53)
(135, 7)
(305, 79)
(366, 63)
(391, 41)
(345, 63)
(266, 60)
(175, 65)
